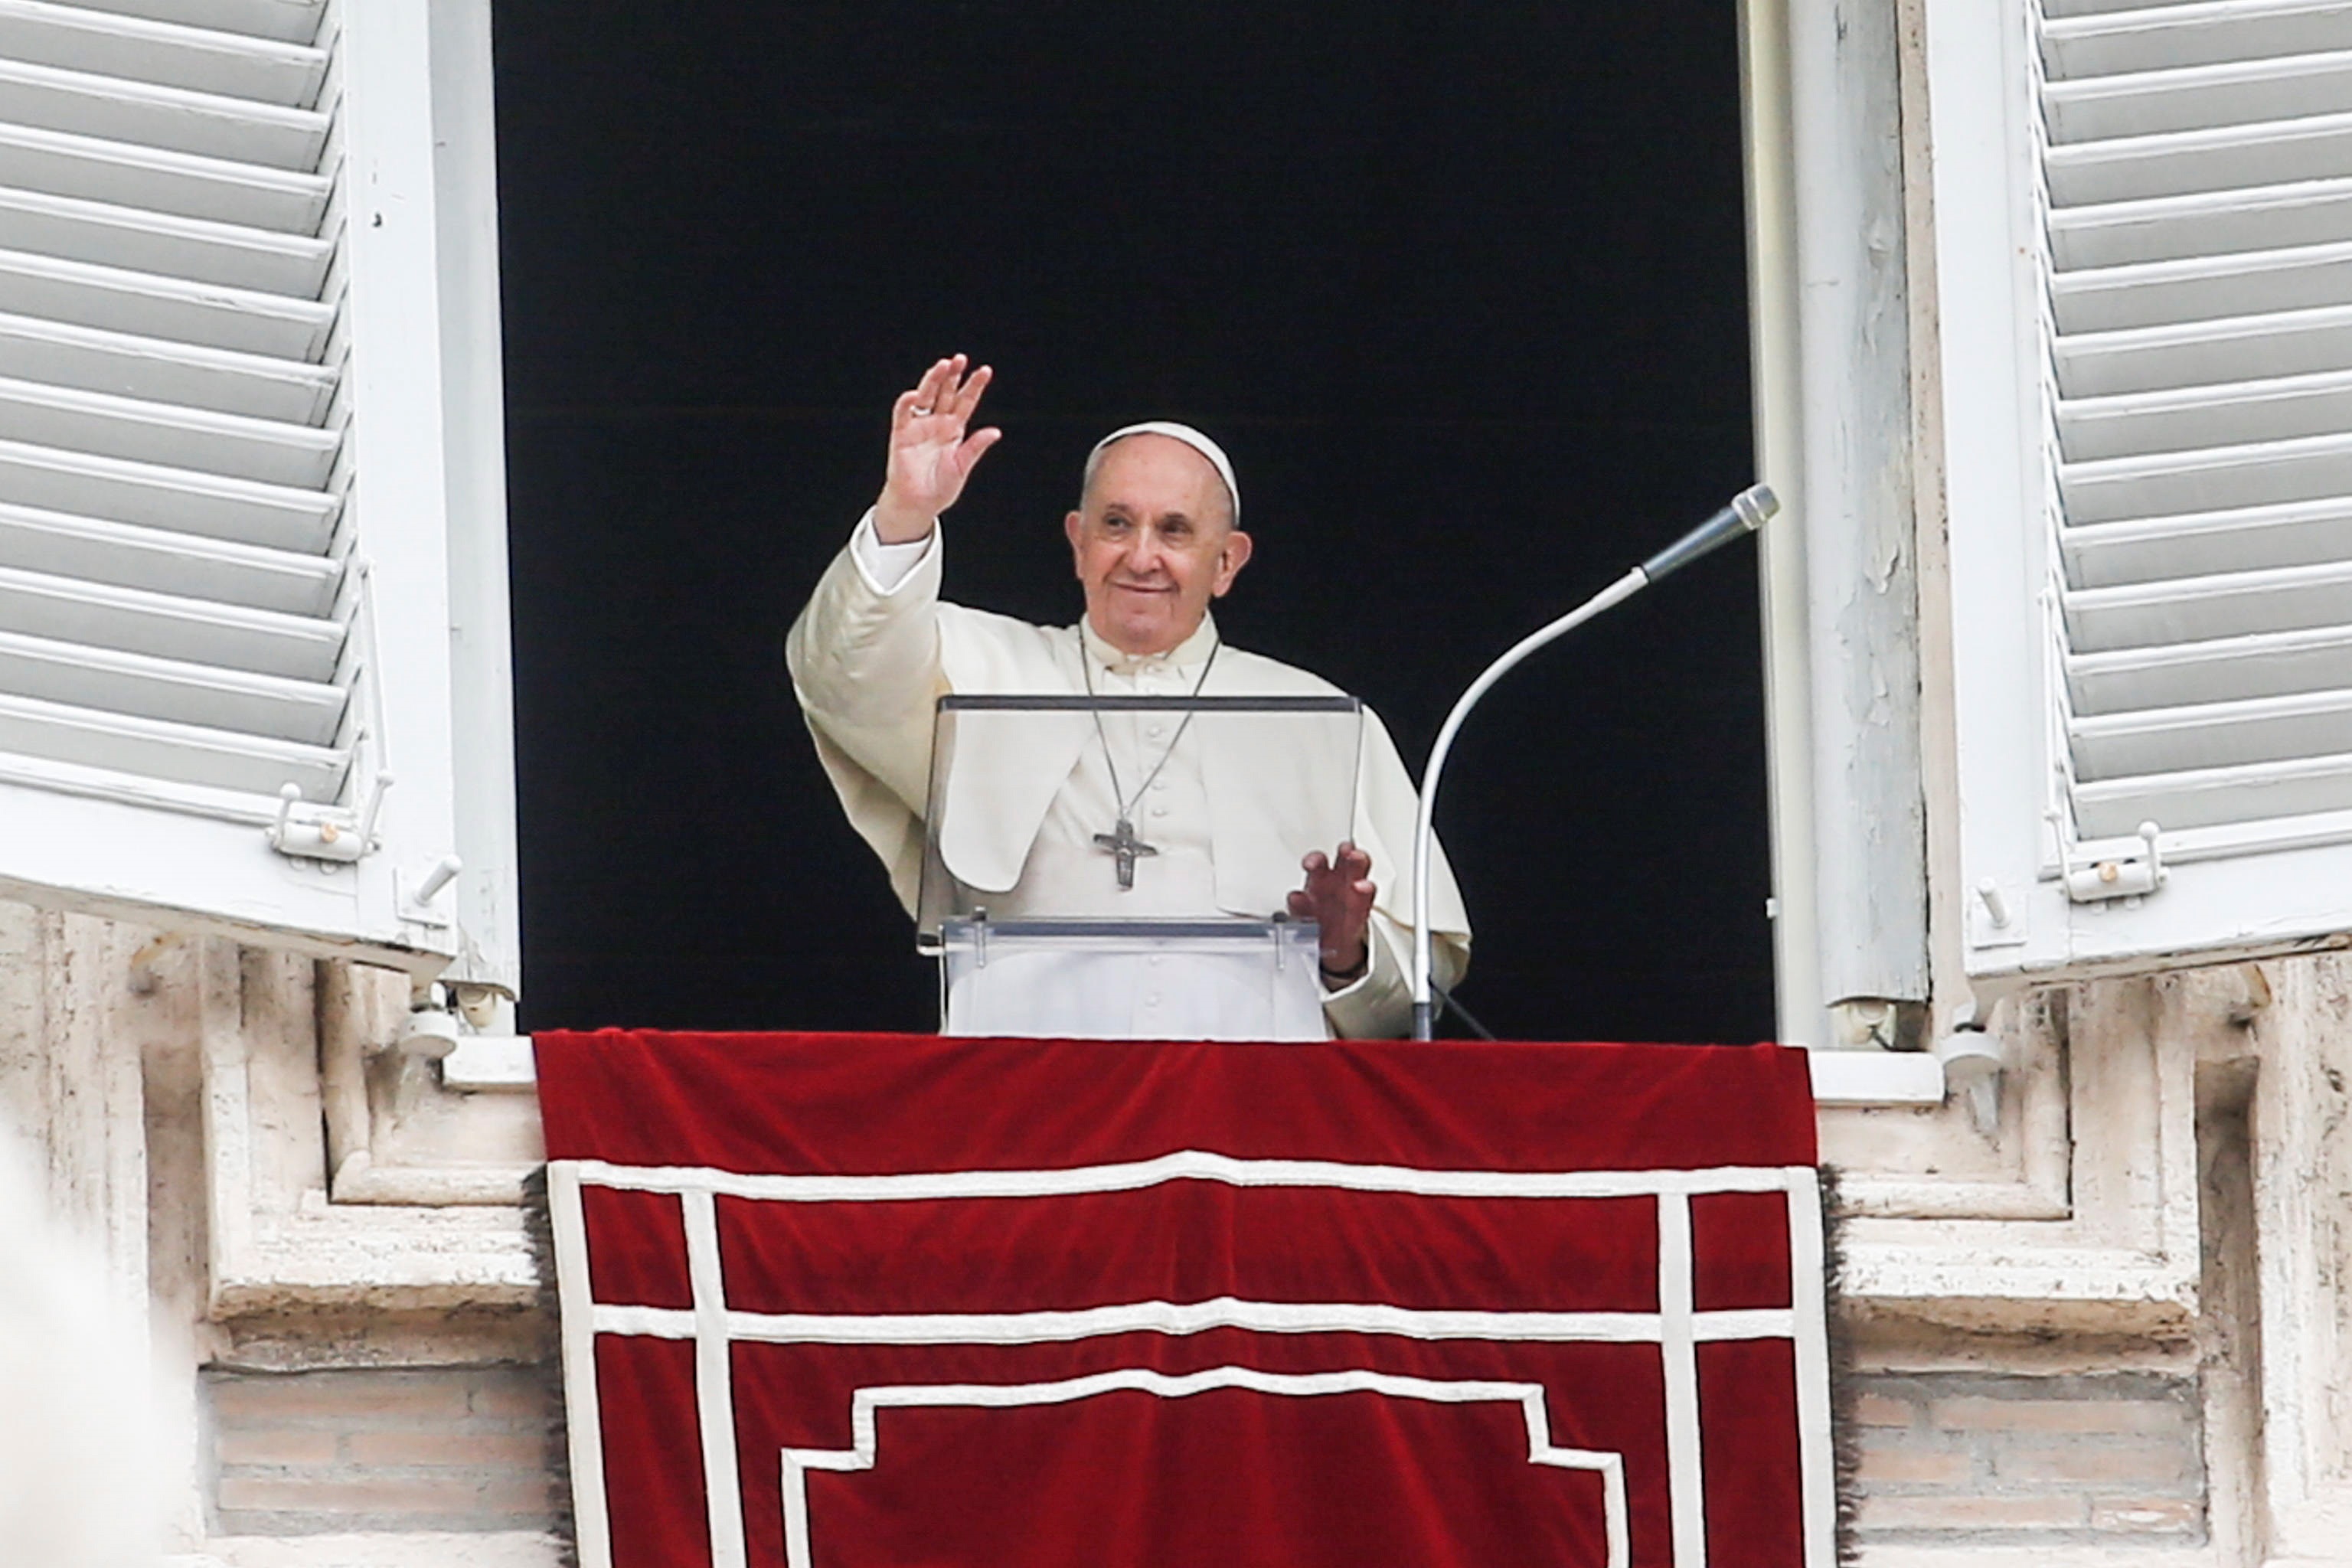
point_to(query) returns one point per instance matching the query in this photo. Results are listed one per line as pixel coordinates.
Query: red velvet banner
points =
(843, 1301)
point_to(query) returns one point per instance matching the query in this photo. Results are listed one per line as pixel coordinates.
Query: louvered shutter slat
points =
(150, 369)
(109, 680)
(287, 21)
(169, 584)
(168, 626)
(267, 451)
(251, 562)
(2203, 288)
(175, 310)
(202, 124)
(240, 62)
(2220, 669)
(155, 748)
(2198, 183)
(95, 550)
(2204, 544)
(216, 506)
(156, 180)
(196, 249)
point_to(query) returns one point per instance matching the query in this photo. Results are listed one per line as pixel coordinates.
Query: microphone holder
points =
(1747, 513)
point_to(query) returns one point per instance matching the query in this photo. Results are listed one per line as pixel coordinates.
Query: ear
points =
(1071, 527)
(1231, 558)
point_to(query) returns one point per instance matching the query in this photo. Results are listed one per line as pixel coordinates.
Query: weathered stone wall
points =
(2112, 1320)
(438, 1448)
(1986, 1458)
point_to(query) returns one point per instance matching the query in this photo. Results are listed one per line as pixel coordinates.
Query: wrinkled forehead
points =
(1162, 466)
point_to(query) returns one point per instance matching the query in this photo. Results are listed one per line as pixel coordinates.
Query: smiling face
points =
(1153, 541)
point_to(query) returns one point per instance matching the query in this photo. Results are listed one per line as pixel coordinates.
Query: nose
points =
(1143, 553)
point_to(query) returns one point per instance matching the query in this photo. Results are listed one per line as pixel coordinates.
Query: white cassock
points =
(875, 649)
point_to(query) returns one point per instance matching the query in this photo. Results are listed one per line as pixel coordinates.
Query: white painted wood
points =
(2205, 223)
(216, 506)
(197, 249)
(269, 452)
(165, 625)
(206, 695)
(152, 179)
(2186, 163)
(2171, 355)
(2266, 473)
(1859, 544)
(2186, 419)
(2213, 33)
(204, 124)
(95, 550)
(2232, 92)
(268, 67)
(2201, 288)
(2218, 670)
(292, 21)
(157, 369)
(225, 495)
(182, 311)
(2214, 735)
(2193, 609)
(464, 168)
(157, 749)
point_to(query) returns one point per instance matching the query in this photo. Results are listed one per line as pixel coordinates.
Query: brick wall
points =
(1978, 1459)
(442, 1448)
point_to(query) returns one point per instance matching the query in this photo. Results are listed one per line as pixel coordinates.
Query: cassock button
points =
(1158, 811)
(1152, 1000)
(1156, 730)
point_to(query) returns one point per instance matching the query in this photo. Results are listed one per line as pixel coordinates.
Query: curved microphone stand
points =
(1746, 513)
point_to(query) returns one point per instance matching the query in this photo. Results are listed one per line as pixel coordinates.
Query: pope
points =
(1155, 538)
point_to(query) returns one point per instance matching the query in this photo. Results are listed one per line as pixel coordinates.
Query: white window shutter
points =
(241, 304)
(2143, 289)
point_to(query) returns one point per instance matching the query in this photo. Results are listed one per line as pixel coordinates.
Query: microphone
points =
(1748, 511)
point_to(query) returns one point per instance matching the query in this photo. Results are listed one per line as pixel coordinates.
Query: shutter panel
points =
(225, 529)
(2144, 280)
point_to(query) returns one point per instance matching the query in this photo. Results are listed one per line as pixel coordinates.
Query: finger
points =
(975, 447)
(1366, 889)
(927, 391)
(1354, 861)
(1315, 865)
(1300, 905)
(968, 399)
(904, 409)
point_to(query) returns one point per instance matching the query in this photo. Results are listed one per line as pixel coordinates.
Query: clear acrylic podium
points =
(1054, 913)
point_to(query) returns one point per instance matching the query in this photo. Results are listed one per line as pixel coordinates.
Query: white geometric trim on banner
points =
(1527, 1396)
(1676, 1328)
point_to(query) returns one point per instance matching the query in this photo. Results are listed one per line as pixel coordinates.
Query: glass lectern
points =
(1116, 867)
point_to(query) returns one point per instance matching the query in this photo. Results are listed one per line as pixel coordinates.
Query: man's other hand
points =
(931, 454)
(1337, 897)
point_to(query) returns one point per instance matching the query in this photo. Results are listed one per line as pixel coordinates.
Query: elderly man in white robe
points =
(1155, 538)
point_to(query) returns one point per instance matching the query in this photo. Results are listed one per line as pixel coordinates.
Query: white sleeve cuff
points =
(887, 567)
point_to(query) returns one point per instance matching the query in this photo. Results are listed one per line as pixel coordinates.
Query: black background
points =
(1460, 287)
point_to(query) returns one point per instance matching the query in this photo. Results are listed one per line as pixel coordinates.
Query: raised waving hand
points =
(932, 450)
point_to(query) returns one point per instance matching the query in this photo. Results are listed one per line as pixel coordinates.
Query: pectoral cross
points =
(1125, 847)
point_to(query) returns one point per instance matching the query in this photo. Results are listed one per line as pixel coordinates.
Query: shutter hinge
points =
(2132, 877)
(330, 835)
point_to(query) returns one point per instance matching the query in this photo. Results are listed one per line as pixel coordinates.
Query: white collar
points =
(1192, 652)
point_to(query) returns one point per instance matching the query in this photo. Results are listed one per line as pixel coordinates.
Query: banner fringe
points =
(539, 1228)
(1845, 1388)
